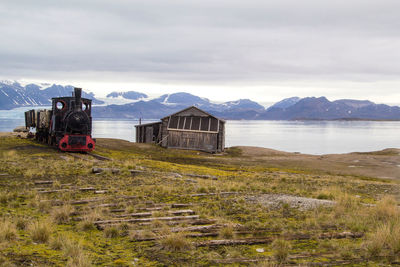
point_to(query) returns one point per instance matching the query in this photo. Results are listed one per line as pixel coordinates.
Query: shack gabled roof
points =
(195, 110)
(148, 124)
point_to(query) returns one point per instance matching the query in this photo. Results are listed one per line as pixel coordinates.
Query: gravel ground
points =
(302, 203)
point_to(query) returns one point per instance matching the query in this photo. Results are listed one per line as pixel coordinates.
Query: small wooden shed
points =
(148, 133)
(191, 128)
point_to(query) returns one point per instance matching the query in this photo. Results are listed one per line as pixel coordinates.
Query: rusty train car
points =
(68, 125)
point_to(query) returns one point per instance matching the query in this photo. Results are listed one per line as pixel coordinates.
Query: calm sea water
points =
(308, 137)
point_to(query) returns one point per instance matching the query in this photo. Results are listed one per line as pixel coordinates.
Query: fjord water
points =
(308, 137)
(315, 137)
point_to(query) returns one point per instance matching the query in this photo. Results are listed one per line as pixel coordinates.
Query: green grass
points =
(48, 229)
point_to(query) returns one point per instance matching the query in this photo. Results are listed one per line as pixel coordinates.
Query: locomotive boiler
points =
(68, 125)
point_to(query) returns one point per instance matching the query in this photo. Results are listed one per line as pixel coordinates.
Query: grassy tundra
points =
(149, 206)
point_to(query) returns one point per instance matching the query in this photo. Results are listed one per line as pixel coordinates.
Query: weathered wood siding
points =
(148, 133)
(164, 132)
(192, 140)
(192, 112)
(139, 138)
(221, 137)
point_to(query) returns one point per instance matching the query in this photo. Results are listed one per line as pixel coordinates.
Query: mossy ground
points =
(362, 206)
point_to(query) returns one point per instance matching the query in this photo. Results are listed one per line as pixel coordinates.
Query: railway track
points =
(86, 155)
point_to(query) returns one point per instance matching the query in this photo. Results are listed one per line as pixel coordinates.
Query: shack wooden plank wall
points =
(221, 137)
(164, 133)
(193, 140)
(148, 133)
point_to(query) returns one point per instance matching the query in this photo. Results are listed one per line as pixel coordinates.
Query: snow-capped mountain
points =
(309, 108)
(313, 108)
(14, 94)
(127, 95)
(186, 99)
(244, 104)
(122, 98)
(182, 99)
(285, 103)
(354, 103)
(138, 105)
(170, 103)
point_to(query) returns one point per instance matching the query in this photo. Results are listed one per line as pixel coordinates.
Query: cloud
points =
(228, 42)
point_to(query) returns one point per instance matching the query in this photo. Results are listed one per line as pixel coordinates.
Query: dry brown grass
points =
(21, 223)
(346, 204)
(11, 155)
(227, 232)
(43, 205)
(111, 232)
(57, 242)
(394, 239)
(89, 218)
(175, 242)
(34, 173)
(329, 192)
(8, 231)
(385, 240)
(141, 234)
(75, 253)
(377, 241)
(62, 215)
(40, 231)
(386, 209)
(5, 197)
(281, 250)
(5, 262)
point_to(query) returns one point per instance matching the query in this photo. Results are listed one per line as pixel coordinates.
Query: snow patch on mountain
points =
(7, 82)
(287, 102)
(14, 94)
(354, 103)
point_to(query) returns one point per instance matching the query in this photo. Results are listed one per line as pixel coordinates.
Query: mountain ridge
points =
(138, 105)
(295, 108)
(13, 94)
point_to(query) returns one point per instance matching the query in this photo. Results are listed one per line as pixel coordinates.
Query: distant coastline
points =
(135, 105)
(343, 119)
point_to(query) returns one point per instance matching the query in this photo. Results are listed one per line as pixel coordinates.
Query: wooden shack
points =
(191, 128)
(148, 133)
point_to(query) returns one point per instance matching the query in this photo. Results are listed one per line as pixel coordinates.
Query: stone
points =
(21, 129)
(97, 170)
(100, 170)
(136, 172)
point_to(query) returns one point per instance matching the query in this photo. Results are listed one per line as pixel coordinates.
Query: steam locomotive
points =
(68, 125)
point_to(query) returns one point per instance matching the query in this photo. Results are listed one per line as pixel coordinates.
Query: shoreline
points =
(381, 164)
(5, 134)
(228, 119)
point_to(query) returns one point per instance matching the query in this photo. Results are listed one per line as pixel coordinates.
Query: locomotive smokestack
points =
(78, 94)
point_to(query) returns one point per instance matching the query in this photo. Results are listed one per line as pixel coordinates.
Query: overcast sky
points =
(224, 50)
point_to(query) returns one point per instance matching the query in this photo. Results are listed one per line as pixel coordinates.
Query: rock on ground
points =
(276, 200)
(21, 129)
